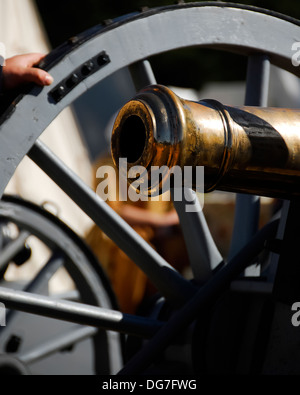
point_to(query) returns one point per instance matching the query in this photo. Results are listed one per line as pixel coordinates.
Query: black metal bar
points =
(78, 313)
(57, 344)
(168, 281)
(205, 296)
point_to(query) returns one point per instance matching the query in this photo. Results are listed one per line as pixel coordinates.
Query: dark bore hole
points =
(132, 139)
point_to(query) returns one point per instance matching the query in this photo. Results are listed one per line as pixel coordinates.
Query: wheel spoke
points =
(168, 281)
(247, 206)
(38, 285)
(72, 295)
(258, 76)
(203, 253)
(12, 249)
(40, 282)
(142, 74)
(78, 313)
(57, 344)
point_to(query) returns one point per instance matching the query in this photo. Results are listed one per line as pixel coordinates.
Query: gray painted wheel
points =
(127, 42)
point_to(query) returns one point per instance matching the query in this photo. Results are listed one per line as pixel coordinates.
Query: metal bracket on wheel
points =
(78, 75)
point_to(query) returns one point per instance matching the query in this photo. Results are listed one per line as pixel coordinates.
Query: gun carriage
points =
(226, 321)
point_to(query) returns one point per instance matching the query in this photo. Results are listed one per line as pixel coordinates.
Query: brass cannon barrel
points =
(243, 149)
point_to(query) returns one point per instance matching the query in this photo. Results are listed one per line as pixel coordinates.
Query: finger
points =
(38, 76)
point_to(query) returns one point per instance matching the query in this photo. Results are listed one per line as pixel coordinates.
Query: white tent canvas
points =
(21, 31)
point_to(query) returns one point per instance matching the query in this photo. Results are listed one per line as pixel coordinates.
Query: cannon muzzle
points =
(242, 149)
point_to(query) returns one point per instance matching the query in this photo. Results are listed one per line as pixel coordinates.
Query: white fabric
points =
(21, 31)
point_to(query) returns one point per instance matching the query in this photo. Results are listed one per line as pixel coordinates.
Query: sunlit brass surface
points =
(243, 149)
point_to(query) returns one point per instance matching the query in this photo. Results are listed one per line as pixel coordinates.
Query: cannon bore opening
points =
(132, 138)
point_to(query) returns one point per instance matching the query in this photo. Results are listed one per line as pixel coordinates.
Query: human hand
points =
(20, 69)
